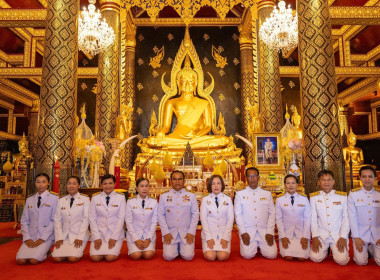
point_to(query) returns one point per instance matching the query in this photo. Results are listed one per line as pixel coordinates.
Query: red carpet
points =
(158, 268)
(6, 230)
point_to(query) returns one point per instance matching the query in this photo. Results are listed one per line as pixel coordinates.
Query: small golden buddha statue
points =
(124, 122)
(256, 124)
(352, 153)
(21, 159)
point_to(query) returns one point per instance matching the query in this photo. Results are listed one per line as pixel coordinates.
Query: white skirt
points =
(217, 246)
(132, 248)
(104, 250)
(69, 250)
(39, 253)
(295, 249)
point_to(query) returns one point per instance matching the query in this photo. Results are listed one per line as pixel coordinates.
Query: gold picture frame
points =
(267, 151)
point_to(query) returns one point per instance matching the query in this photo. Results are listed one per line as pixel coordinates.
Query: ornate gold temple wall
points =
(321, 133)
(58, 89)
(227, 91)
(107, 102)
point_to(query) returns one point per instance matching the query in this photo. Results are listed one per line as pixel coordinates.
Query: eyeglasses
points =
(252, 176)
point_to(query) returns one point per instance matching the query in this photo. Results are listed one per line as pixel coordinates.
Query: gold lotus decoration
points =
(186, 8)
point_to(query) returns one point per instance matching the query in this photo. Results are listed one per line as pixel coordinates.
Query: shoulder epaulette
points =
(341, 193)
(206, 194)
(314, 194)
(152, 196)
(279, 195)
(266, 190)
(53, 193)
(62, 195)
(226, 194)
(302, 194)
(31, 195)
(96, 194)
(377, 189)
(164, 192)
(83, 194)
(356, 189)
(133, 196)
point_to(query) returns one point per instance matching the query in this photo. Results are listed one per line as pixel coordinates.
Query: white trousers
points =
(339, 258)
(178, 247)
(248, 252)
(361, 258)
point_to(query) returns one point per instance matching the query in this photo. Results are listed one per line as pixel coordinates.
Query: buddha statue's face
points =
(351, 141)
(23, 147)
(187, 82)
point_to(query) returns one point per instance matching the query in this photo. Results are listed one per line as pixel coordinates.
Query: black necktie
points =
(292, 199)
(216, 202)
(39, 202)
(143, 204)
(71, 201)
(107, 200)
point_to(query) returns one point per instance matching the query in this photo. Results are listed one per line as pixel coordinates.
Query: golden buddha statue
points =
(190, 104)
(296, 118)
(352, 153)
(256, 122)
(124, 122)
(20, 160)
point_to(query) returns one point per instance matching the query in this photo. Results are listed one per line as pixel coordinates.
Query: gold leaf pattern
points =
(140, 86)
(140, 61)
(206, 61)
(139, 111)
(235, 37)
(221, 97)
(236, 61)
(83, 86)
(237, 111)
(170, 37)
(170, 61)
(154, 98)
(140, 37)
(221, 72)
(291, 84)
(206, 37)
(236, 85)
(154, 73)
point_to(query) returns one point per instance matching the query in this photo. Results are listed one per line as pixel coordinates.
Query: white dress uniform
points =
(178, 214)
(293, 222)
(141, 222)
(71, 224)
(217, 222)
(255, 215)
(364, 217)
(38, 223)
(329, 222)
(107, 222)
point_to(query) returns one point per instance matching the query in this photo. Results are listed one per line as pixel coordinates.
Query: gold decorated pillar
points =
(33, 127)
(107, 98)
(270, 89)
(321, 132)
(58, 89)
(127, 92)
(247, 78)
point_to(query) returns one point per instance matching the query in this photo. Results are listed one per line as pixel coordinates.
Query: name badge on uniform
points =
(169, 200)
(225, 203)
(63, 208)
(320, 201)
(263, 198)
(168, 210)
(134, 207)
(337, 203)
(286, 204)
(300, 205)
(98, 204)
(30, 206)
(115, 205)
(186, 198)
(80, 204)
(47, 205)
(148, 208)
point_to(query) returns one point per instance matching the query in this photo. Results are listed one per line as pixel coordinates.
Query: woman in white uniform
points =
(141, 220)
(71, 224)
(37, 223)
(293, 218)
(217, 217)
(106, 215)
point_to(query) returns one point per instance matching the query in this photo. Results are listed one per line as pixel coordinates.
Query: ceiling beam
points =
(22, 17)
(355, 15)
(351, 71)
(358, 90)
(6, 105)
(9, 136)
(36, 72)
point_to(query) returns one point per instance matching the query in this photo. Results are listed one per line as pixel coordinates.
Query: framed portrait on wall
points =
(268, 150)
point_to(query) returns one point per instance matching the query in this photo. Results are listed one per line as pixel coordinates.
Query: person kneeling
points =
(37, 224)
(217, 217)
(107, 214)
(293, 221)
(141, 221)
(71, 224)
